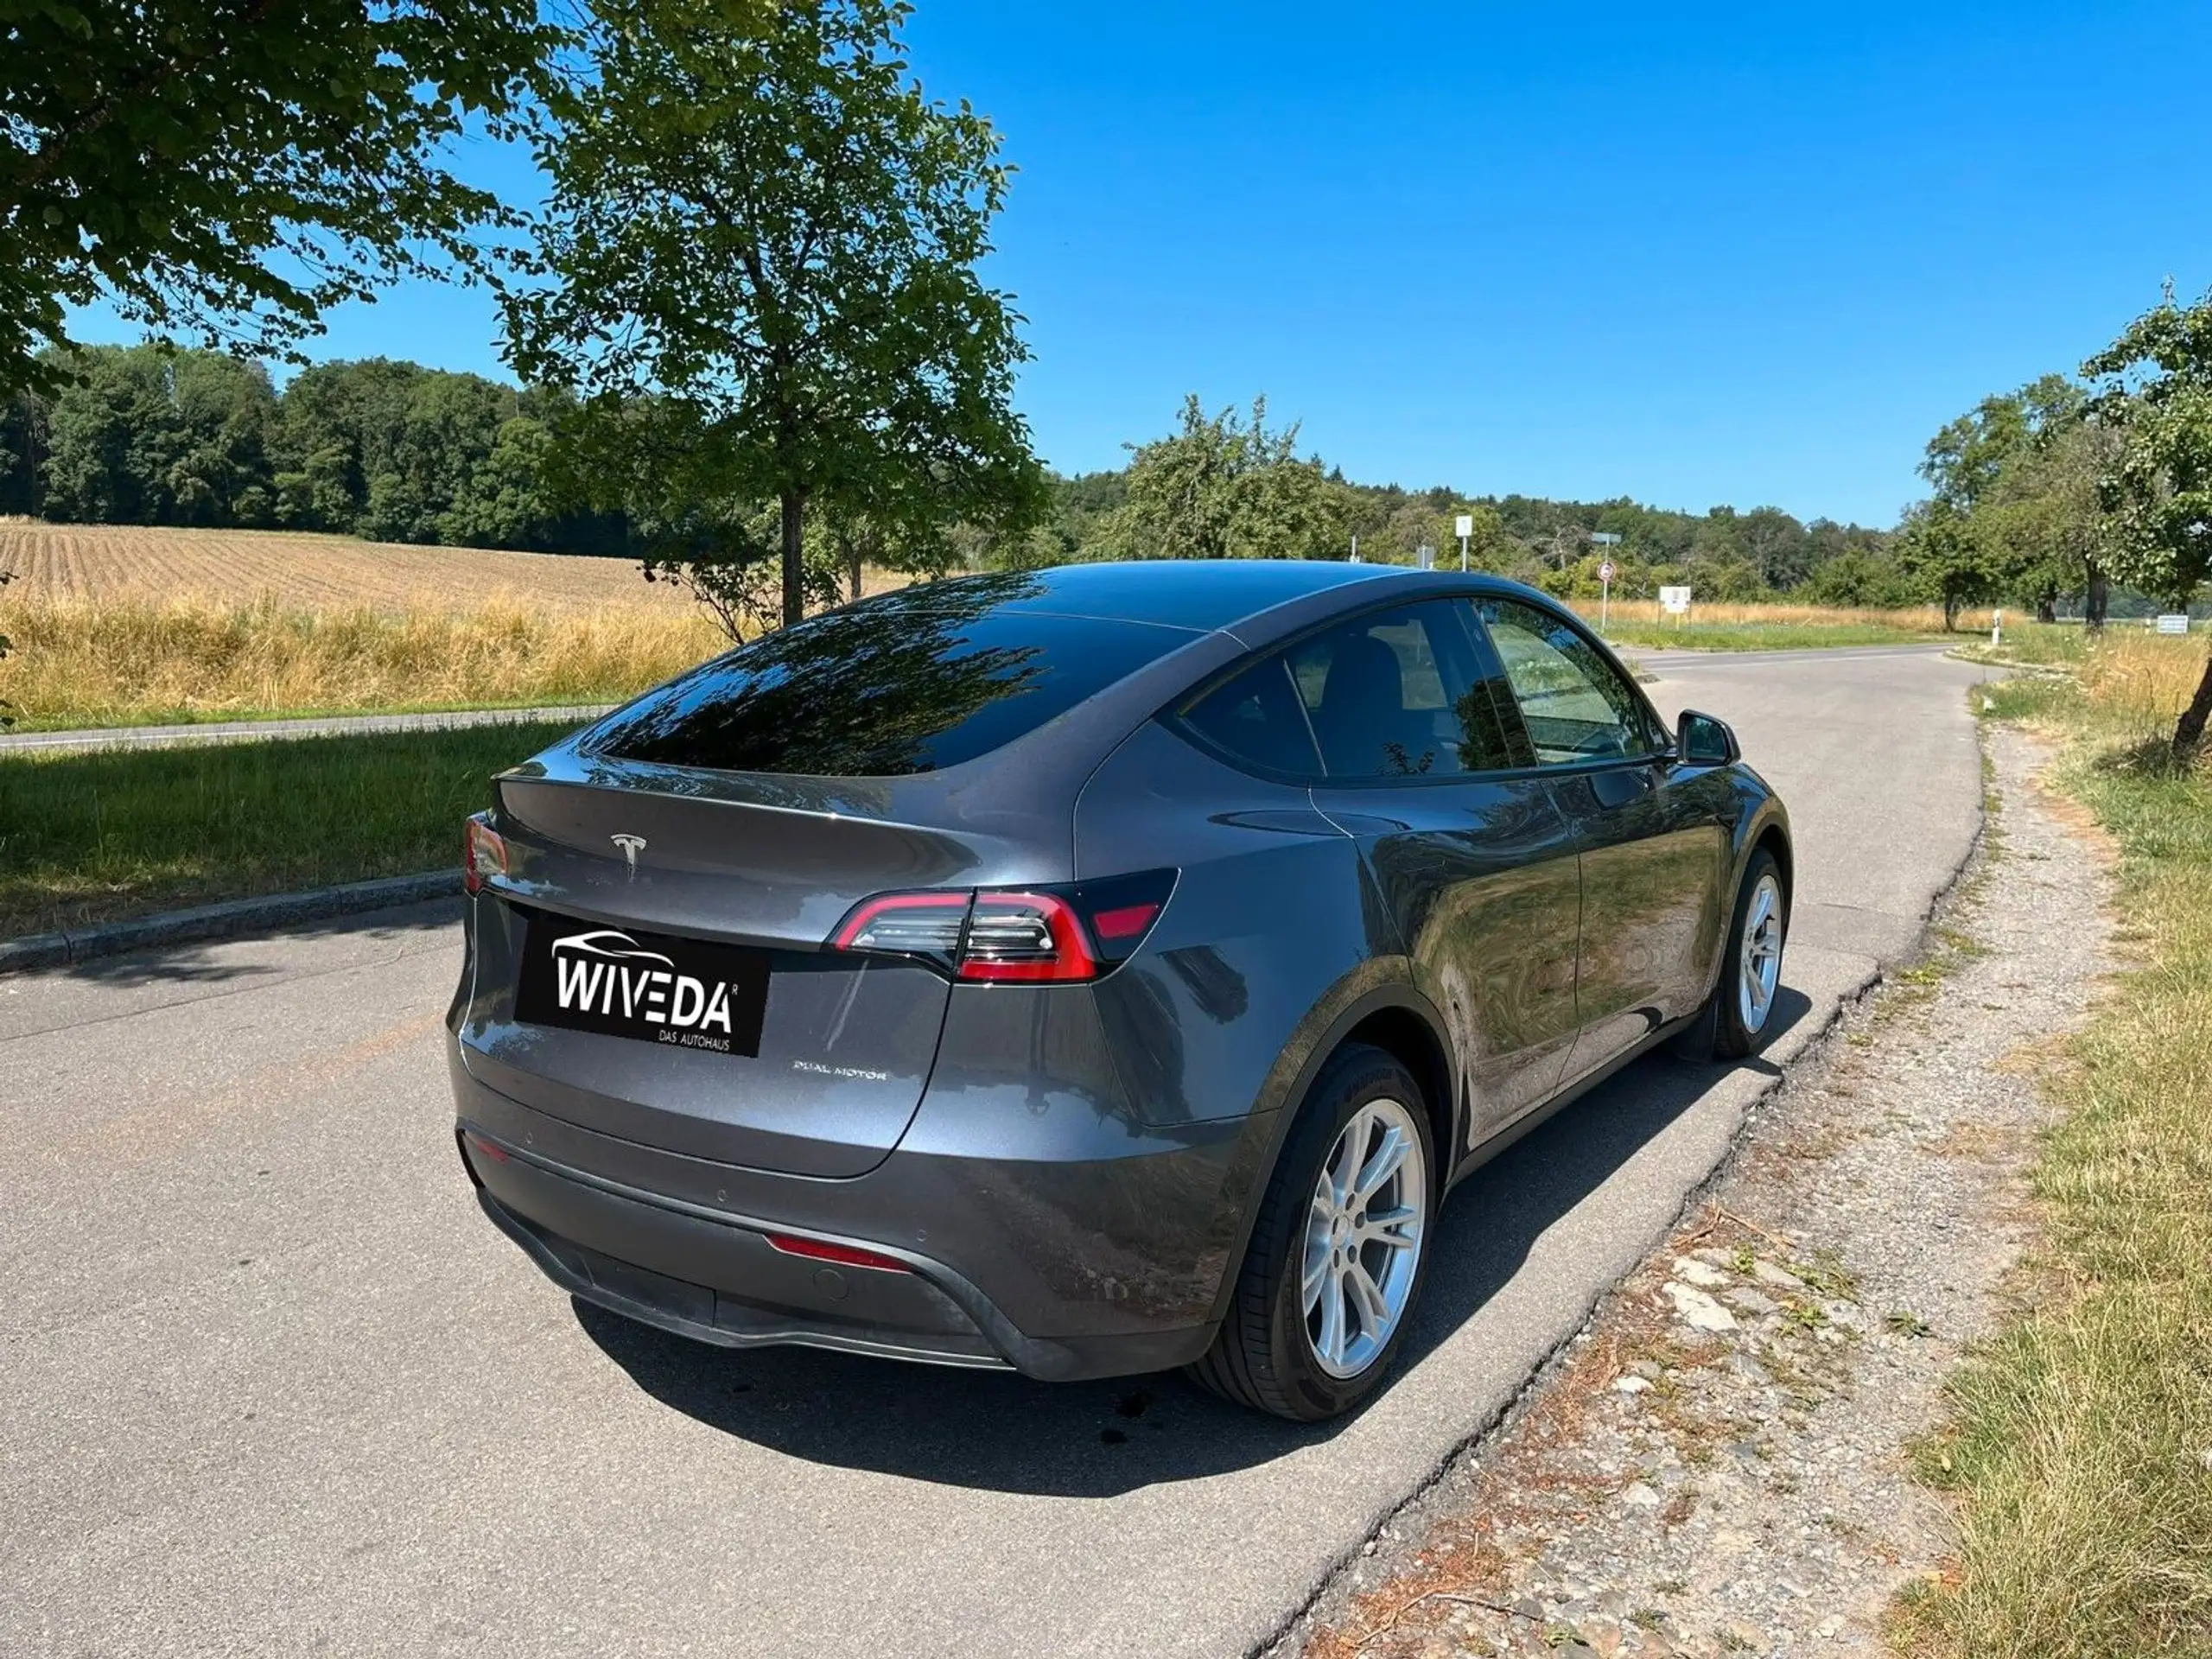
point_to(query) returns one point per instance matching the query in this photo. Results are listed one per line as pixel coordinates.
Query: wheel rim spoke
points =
(1389, 1157)
(1398, 1228)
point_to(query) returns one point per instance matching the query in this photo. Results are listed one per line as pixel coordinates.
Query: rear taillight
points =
(1032, 935)
(483, 853)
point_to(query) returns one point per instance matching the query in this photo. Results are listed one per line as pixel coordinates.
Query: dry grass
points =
(124, 660)
(1924, 618)
(2080, 1441)
(123, 625)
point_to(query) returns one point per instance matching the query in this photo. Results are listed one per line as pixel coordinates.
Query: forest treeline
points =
(388, 451)
(393, 451)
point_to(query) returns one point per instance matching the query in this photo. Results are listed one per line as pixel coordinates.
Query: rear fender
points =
(1381, 986)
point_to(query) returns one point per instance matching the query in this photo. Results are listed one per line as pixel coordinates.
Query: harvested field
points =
(304, 572)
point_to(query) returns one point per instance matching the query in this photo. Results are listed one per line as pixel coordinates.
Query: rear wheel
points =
(1339, 1250)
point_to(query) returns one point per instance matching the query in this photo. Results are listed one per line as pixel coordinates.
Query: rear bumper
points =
(1102, 1257)
(714, 1282)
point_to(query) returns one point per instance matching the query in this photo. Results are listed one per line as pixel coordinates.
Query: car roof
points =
(1199, 594)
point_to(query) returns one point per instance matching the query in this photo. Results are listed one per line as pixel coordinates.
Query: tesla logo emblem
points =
(630, 846)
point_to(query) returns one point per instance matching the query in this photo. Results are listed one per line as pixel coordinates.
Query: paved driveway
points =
(273, 1385)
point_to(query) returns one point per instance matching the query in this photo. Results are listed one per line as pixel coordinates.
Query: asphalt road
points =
(272, 1384)
(250, 731)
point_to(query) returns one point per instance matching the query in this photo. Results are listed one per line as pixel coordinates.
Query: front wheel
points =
(1737, 1018)
(1339, 1250)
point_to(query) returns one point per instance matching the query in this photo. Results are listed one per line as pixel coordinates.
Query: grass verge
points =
(1765, 636)
(2080, 1442)
(99, 837)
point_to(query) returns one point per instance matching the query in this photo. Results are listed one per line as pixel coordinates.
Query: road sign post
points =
(1463, 527)
(1608, 539)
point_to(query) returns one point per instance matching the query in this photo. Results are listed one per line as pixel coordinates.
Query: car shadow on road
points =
(996, 1431)
(249, 954)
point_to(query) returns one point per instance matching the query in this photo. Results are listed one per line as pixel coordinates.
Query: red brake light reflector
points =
(1127, 922)
(845, 1256)
(484, 852)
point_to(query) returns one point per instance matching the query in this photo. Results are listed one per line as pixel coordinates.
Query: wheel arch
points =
(1397, 1018)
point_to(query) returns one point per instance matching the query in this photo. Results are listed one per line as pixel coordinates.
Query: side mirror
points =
(1701, 741)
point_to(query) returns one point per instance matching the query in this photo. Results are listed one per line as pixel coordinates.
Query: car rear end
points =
(781, 1019)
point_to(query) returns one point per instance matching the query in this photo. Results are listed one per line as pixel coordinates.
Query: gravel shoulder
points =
(1722, 1460)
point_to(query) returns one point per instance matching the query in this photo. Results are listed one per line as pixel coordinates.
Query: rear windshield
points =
(884, 690)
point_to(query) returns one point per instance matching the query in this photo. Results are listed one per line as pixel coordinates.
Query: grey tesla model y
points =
(1091, 971)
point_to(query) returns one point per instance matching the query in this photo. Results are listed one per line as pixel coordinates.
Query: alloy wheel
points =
(1760, 968)
(1363, 1238)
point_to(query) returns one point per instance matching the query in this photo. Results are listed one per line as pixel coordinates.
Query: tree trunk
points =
(853, 557)
(2098, 600)
(1951, 604)
(794, 505)
(2189, 731)
(2046, 607)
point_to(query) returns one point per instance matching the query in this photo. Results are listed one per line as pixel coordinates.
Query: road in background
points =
(274, 1383)
(253, 731)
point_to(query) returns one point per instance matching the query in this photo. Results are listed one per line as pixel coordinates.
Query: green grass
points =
(96, 837)
(1766, 636)
(2080, 1439)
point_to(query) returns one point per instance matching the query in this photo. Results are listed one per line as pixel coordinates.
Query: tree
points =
(1949, 559)
(756, 272)
(1224, 488)
(231, 169)
(2155, 389)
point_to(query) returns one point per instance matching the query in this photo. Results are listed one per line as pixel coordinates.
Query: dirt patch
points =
(1722, 1462)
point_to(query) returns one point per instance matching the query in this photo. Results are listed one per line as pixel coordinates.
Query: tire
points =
(1735, 1022)
(1277, 1351)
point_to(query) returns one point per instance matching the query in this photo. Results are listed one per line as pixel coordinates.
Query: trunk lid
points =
(650, 861)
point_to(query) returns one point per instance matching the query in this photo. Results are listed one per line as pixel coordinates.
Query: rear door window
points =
(886, 689)
(1397, 694)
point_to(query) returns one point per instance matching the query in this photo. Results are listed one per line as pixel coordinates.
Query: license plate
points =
(621, 982)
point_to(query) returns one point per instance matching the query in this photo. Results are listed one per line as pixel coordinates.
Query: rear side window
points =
(1256, 718)
(884, 690)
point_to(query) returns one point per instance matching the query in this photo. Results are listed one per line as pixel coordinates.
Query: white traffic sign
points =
(1675, 601)
(1463, 525)
(1606, 571)
(2174, 622)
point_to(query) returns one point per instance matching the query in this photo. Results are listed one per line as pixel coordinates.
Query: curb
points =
(224, 920)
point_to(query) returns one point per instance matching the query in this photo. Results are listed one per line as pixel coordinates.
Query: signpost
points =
(2174, 622)
(1425, 557)
(1607, 539)
(1463, 527)
(1675, 601)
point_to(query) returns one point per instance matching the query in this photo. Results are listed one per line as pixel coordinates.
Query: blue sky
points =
(1689, 254)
